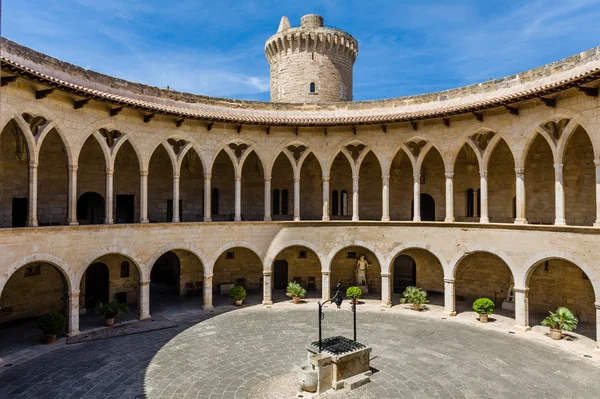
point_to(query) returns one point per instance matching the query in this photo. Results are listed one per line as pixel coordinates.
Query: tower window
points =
(312, 87)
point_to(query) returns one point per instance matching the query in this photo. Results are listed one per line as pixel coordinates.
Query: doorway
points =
(125, 208)
(19, 212)
(427, 208)
(90, 208)
(405, 273)
(280, 274)
(96, 285)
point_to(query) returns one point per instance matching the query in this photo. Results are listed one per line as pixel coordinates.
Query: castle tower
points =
(310, 63)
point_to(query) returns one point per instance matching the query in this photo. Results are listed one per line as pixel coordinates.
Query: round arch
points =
(229, 245)
(273, 251)
(397, 251)
(61, 265)
(172, 247)
(116, 250)
(455, 262)
(351, 243)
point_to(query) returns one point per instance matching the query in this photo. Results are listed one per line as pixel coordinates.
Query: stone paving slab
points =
(137, 327)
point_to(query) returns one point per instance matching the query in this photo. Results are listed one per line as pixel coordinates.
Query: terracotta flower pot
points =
(483, 318)
(555, 333)
(238, 303)
(417, 307)
(296, 299)
(109, 322)
(49, 338)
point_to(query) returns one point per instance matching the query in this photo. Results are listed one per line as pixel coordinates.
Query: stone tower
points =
(310, 63)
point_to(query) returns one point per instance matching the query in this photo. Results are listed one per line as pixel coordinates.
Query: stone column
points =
(72, 218)
(207, 198)
(144, 196)
(238, 199)
(267, 288)
(32, 214)
(597, 222)
(449, 198)
(386, 297)
(175, 198)
(297, 199)
(207, 292)
(108, 212)
(385, 197)
(325, 198)
(520, 201)
(597, 325)
(325, 286)
(355, 199)
(559, 193)
(73, 313)
(267, 198)
(449, 297)
(417, 197)
(483, 212)
(522, 309)
(144, 300)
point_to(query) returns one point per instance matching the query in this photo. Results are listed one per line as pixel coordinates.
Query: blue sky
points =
(216, 48)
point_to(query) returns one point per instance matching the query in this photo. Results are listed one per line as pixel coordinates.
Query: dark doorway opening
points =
(427, 208)
(90, 208)
(125, 208)
(405, 273)
(19, 212)
(96, 285)
(280, 275)
(170, 210)
(164, 276)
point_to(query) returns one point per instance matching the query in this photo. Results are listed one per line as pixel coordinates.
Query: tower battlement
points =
(311, 63)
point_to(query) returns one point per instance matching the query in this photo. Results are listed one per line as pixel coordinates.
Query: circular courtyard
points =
(240, 353)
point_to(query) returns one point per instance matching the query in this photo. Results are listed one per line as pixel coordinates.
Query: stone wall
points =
(191, 188)
(253, 189)
(223, 179)
(580, 179)
(501, 184)
(539, 183)
(311, 189)
(302, 267)
(370, 188)
(482, 275)
(343, 268)
(52, 181)
(160, 185)
(244, 265)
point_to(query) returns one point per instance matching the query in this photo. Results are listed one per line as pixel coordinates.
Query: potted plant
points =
(295, 291)
(353, 292)
(483, 307)
(110, 310)
(562, 319)
(52, 324)
(238, 294)
(416, 296)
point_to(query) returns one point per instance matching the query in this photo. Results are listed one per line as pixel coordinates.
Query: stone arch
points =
(252, 187)
(370, 187)
(118, 146)
(489, 151)
(105, 150)
(170, 153)
(455, 262)
(52, 180)
(171, 247)
(229, 245)
(114, 250)
(26, 132)
(342, 268)
(501, 176)
(432, 169)
(411, 158)
(348, 158)
(467, 182)
(529, 139)
(539, 173)
(282, 186)
(394, 253)
(68, 273)
(197, 149)
(351, 243)
(425, 151)
(468, 141)
(274, 251)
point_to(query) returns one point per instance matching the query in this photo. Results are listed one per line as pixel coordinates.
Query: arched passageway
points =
(52, 181)
(558, 282)
(579, 175)
(176, 280)
(483, 275)
(160, 187)
(110, 277)
(427, 208)
(253, 188)
(238, 266)
(311, 189)
(420, 268)
(14, 155)
(126, 200)
(501, 185)
(31, 291)
(299, 264)
(90, 208)
(466, 186)
(370, 188)
(282, 189)
(401, 182)
(191, 188)
(91, 183)
(340, 184)
(539, 182)
(343, 268)
(432, 183)
(223, 188)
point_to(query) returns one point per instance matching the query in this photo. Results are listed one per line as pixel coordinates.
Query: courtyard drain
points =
(444, 318)
(588, 356)
(10, 364)
(511, 332)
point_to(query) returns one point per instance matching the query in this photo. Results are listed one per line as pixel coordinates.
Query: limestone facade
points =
(498, 195)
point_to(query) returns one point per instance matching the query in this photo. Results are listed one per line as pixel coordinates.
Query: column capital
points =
(521, 290)
(386, 275)
(558, 166)
(325, 273)
(483, 174)
(238, 178)
(354, 178)
(385, 177)
(207, 176)
(176, 176)
(597, 304)
(74, 293)
(144, 283)
(417, 177)
(449, 175)
(296, 179)
(268, 178)
(325, 179)
(268, 274)
(109, 172)
(519, 171)
(73, 168)
(597, 162)
(33, 164)
(208, 276)
(143, 173)
(449, 280)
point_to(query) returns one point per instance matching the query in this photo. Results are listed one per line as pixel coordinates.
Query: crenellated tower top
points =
(311, 63)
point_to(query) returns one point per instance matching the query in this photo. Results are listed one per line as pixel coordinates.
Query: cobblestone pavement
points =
(226, 354)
